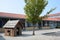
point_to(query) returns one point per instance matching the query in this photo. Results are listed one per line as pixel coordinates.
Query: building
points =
(13, 28)
(52, 21)
(4, 17)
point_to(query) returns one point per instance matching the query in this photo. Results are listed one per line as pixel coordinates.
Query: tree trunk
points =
(33, 29)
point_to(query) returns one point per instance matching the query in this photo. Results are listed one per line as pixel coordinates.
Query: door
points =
(17, 31)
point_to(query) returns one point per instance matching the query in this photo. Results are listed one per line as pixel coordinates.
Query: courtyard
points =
(47, 34)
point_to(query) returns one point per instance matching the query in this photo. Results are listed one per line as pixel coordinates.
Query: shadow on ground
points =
(1, 38)
(52, 34)
(25, 35)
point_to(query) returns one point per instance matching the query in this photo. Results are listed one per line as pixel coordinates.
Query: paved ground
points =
(51, 34)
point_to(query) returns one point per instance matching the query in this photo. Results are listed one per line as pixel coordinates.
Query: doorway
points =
(17, 31)
(8, 31)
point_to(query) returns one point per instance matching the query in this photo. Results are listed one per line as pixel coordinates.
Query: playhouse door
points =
(17, 31)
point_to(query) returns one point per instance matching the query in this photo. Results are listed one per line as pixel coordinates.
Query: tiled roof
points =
(53, 15)
(52, 19)
(56, 14)
(10, 15)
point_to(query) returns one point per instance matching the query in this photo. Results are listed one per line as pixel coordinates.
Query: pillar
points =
(41, 23)
(25, 25)
(45, 23)
(37, 24)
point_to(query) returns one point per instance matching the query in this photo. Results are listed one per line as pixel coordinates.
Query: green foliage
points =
(34, 8)
(50, 11)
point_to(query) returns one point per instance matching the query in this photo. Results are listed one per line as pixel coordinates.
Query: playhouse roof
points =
(11, 24)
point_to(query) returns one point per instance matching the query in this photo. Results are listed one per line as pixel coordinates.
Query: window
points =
(8, 31)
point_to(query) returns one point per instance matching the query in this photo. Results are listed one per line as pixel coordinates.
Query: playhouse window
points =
(8, 31)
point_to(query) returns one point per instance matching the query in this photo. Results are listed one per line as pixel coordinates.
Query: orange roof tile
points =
(52, 19)
(10, 15)
(56, 14)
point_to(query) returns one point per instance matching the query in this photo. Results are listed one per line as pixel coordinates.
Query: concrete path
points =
(51, 34)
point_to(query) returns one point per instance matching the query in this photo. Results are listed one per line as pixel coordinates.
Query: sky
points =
(17, 6)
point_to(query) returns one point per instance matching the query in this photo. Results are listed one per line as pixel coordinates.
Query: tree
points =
(34, 9)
